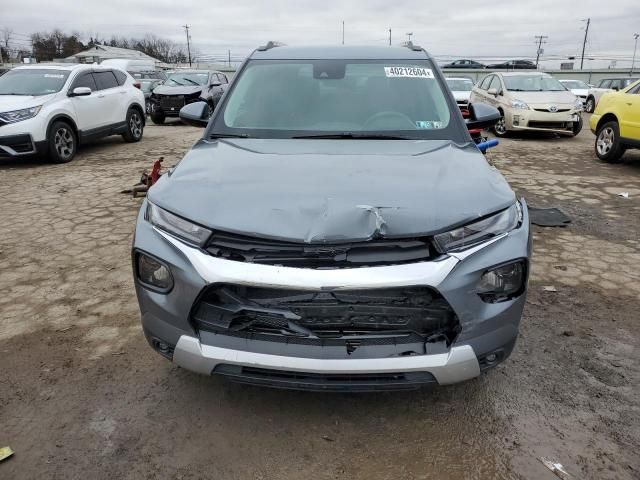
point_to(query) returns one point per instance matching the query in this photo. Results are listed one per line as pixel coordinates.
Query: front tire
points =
(590, 106)
(157, 118)
(62, 143)
(500, 128)
(608, 146)
(577, 126)
(135, 126)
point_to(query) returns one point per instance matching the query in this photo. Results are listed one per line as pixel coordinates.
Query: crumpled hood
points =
(177, 90)
(332, 190)
(9, 103)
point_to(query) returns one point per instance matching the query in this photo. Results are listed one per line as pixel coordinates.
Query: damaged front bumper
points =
(485, 332)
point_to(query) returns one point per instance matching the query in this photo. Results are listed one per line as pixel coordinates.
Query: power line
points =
(541, 40)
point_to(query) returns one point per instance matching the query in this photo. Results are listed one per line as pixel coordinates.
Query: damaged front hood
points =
(177, 90)
(332, 190)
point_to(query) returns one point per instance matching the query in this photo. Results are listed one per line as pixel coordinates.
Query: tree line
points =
(56, 44)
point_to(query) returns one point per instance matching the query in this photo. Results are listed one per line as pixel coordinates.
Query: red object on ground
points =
(155, 171)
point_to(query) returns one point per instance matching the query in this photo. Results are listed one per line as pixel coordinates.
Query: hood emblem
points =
(553, 108)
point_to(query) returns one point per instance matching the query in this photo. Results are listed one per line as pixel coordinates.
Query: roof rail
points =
(270, 44)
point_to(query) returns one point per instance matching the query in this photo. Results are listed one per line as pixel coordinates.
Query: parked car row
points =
(603, 86)
(508, 65)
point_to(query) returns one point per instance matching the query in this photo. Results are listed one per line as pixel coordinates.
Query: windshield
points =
(459, 84)
(575, 84)
(187, 78)
(628, 81)
(41, 81)
(288, 98)
(532, 83)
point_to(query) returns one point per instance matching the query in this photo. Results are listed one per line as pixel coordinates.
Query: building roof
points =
(104, 52)
(339, 52)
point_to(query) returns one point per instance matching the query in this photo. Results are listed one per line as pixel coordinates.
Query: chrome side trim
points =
(459, 364)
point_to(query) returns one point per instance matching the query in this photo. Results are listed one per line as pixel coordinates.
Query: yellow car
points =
(616, 123)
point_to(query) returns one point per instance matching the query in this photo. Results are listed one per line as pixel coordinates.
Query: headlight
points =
(19, 115)
(519, 104)
(177, 226)
(578, 105)
(474, 233)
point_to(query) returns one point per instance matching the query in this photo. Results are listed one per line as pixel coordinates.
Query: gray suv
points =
(335, 228)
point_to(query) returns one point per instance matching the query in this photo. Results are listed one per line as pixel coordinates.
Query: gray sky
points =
(459, 28)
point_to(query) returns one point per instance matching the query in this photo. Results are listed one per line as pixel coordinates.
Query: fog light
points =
(153, 273)
(516, 120)
(502, 283)
(491, 357)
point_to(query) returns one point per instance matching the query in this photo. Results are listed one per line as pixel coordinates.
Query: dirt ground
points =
(83, 396)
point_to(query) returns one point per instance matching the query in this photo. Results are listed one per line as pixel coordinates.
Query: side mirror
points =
(195, 114)
(214, 84)
(80, 92)
(482, 116)
(493, 91)
(615, 88)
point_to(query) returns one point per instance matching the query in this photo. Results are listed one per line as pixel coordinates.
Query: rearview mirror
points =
(195, 114)
(482, 116)
(493, 91)
(80, 92)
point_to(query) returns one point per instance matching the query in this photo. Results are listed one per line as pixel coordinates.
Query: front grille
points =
(551, 125)
(560, 110)
(390, 315)
(168, 102)
(325, 382)
(304, 255)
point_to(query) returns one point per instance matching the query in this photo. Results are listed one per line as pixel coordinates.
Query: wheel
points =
(157, 118)
(500, 128)
(577, 126)
(590, 106)
(62, 142)
(608, 146)
(135, 126)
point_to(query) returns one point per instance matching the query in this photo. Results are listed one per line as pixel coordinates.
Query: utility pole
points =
(229, 51)
(186, 28)
(540, 39)
(389, 37)
(635, 47)
(343, 32)
(584, 43)
(409, 34)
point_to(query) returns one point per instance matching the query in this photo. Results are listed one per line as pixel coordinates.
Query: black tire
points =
(607, 145)
(577, 126)
(500, 128)
(590, 105)
(62, 141)
(157, 118)
(135, 126)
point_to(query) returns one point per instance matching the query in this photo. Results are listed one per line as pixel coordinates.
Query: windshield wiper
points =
(229, 135)
(358, 136)
(192, 81)
(21, 94)
(178, 83)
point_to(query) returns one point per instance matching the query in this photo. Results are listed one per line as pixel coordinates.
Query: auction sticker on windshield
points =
(408, 72)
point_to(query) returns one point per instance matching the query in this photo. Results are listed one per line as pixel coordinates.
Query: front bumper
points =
(558, 122)
(486, 328)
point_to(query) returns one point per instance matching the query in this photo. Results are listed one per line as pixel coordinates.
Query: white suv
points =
(49, 109)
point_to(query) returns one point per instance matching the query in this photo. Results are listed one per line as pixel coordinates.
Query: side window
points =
(121, 77)
(635, 90)
(105, 80)
(484, 85)
(222, 78)
(495, 83)
(85, 80)
(605, 84)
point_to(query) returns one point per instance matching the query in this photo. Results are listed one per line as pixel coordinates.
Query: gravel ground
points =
(83, 396)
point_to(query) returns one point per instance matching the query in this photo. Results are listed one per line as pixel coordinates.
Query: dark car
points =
(463, 64)
(184, 87)
(147, 85)
(335, 228)
(514, 65)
